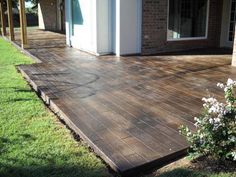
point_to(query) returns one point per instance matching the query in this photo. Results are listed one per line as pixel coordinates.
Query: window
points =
(232, 20)
(187, 19)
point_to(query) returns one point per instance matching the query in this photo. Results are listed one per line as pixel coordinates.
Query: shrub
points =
(215, 133)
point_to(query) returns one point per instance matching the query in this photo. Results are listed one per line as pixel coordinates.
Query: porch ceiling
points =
(128, 109)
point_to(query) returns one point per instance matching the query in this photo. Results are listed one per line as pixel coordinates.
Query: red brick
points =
(154, 28)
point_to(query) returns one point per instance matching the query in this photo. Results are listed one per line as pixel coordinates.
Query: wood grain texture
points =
(23, 24)
(128, 109)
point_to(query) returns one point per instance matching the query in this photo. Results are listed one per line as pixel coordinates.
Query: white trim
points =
(68, 21)
(189, 38)
(113, 25)
(110, 26)
(117, 16)
(128, 27)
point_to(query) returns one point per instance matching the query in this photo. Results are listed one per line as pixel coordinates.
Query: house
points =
(95, 97)
(126, 27)
(146, 27)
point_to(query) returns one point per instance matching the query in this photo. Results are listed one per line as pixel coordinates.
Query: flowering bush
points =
(215, 133)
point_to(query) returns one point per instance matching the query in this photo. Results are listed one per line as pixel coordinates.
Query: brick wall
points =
(47, 14)
(154, 28)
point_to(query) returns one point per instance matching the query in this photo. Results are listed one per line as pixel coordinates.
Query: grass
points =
(33, 143)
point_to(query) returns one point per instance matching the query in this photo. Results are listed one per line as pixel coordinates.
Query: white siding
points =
(68, 22)
(93, 35)
(109, 26)
(128, 26)
(104, 45)
(84, 36)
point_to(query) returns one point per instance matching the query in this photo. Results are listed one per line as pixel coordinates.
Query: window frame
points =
(228, 27)
(189, 38)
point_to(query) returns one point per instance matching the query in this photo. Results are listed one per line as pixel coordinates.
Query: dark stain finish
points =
(128, 109)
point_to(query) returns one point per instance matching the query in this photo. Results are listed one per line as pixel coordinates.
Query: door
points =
(82, 25)
(228, 23)
(89, 25)
(76, 19)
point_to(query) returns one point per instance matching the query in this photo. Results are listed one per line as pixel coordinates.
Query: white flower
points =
(217, 120)
(230, 82)
(214, 107)
(189, 134)
(211, 121)
(234, 155)
(232, 139)
(220, 85)
(201, 136)
(205, 105)
(226, 111)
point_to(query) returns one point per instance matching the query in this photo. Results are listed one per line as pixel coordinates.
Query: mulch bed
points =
(205, 164)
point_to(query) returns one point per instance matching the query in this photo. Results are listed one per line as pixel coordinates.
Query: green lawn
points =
(33, 143)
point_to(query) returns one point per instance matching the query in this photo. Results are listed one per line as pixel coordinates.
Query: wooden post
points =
(10, 20)
(2, 17)
(23, 24)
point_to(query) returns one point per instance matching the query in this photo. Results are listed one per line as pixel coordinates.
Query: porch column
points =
(234, 49)
(23, 24)
(10, 20)
(128, 27)
(2, 19)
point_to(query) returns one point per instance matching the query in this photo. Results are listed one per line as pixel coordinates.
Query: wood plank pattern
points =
(128, 109)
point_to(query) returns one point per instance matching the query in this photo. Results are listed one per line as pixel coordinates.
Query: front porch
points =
(128, 109)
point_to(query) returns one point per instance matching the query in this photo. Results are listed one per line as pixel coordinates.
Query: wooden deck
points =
(128, 109)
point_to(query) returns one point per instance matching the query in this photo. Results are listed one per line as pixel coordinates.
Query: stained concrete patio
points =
(128, 109)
